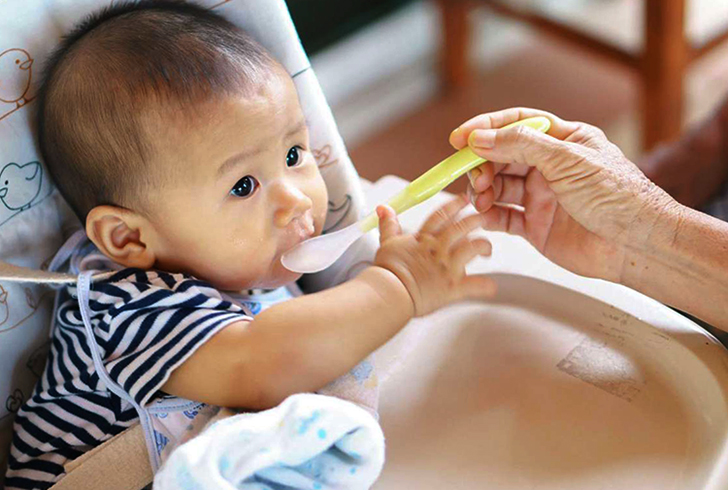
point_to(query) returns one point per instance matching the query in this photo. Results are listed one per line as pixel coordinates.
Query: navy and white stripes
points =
(146, 324)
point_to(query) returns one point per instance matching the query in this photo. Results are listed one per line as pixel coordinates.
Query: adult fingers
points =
(509, 189)
(559, 128)
(524, 146)
(506, 189)
(484, 201)
(466, 250)
(477, 287)
(515, 170)
(509, 220)
(482, 177)
(443, 215)
(388, 223)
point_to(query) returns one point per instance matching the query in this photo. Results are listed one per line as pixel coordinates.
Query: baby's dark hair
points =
(121, 64)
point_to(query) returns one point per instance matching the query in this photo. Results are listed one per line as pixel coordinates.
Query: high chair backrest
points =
(33, 217)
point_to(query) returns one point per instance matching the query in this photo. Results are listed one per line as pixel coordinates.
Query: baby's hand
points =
(431, 263)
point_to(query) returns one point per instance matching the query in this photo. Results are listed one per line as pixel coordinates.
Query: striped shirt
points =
(146, 324)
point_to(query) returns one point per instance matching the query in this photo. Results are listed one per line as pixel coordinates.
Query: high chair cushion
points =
(33, 216)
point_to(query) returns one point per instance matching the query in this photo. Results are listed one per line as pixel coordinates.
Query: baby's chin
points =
(277, 278)
(280, 279)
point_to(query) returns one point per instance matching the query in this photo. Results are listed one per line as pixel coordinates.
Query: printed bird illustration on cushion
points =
(338, 211)
(4, 308)
(16, 73)
(20, 185)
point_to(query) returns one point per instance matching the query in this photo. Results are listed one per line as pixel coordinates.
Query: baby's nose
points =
(291, 202)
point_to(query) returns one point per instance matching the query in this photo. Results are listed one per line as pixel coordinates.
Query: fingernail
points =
(473, 175)
(480, 183)
(454, 132)
(479, 203)
(482, 138)
(472, 179)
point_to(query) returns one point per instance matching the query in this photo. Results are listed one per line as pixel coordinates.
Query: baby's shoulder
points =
(148, 288)
(146, 279)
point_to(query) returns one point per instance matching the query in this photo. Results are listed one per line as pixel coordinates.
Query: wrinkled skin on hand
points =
(572, 194)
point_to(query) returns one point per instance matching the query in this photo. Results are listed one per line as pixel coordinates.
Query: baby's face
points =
(243, 189)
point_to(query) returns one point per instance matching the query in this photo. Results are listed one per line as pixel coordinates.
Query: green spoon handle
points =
(442, 175)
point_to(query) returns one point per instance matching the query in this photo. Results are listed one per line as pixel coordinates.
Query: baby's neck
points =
(256, 291)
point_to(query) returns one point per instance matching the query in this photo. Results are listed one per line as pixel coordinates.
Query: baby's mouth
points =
(301, 228)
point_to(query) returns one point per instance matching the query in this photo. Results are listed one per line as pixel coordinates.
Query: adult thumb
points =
(521, 145)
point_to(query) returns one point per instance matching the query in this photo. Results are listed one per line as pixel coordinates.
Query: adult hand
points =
(571, 193)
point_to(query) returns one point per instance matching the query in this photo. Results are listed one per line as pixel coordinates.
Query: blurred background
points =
(401, 74)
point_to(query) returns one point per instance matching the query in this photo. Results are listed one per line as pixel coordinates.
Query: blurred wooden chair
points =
(661, 66)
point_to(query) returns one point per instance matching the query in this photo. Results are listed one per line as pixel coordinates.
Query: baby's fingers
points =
(388, 223)
(457, 230)
(444, 215)
(466, 250)
(478, 287)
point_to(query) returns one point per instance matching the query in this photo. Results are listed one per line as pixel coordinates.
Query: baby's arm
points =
(296, 346)
(303, 344)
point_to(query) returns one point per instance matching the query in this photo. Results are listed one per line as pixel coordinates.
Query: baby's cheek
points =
(235, 276)
(320, 207)
(320, 219)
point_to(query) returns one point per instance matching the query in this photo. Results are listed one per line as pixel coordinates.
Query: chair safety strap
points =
(121, 463)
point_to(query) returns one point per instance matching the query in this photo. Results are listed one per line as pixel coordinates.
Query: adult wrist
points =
(655, 221)
(662, 223)
(688, 268)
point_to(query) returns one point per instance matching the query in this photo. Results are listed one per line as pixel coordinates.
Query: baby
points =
(181, 145)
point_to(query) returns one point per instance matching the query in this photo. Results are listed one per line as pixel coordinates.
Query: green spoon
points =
(316, 254)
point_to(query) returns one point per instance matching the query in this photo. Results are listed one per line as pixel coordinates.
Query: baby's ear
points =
(120, 235)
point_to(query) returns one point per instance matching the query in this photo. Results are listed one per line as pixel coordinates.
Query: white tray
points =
(561, 383)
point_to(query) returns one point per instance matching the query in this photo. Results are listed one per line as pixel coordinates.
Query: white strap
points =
(84, 290)
(122, 462)
(14, 273)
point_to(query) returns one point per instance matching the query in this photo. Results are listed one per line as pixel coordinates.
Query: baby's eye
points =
(294, 156)
(244, 187)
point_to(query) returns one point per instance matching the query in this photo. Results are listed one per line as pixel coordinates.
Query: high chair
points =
(561, 382)
(34, 220)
